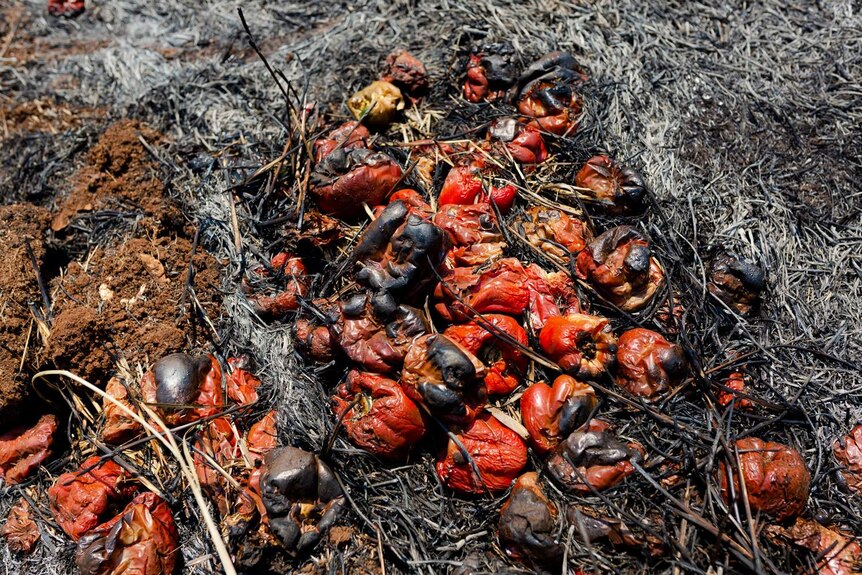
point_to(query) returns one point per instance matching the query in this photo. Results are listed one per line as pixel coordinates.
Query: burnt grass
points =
(745, 122)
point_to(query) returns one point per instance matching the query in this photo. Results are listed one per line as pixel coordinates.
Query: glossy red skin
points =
(385, 422)
(476, 83)
(22, 451)
(78, 499)
(20, 531)
(142, 540)
(776, 478)
(551, 295)
(561, 122)
(370, 184)
(498, 452)
(528, 147)
(505, 374)
(542, 406)
(241, 384)
(502, 288)
(848, 452)
(640, 357)
(564, 339)
(295, 286)
(210, 399)
(463, 186)
(473, 232)
(349, 135)
(735, 383)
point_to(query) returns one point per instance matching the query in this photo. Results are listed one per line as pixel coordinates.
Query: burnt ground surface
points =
(744, 120)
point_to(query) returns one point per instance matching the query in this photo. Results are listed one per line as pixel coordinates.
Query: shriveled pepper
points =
(344, 180)
(119, 427)
(396, 257)
(445, 377)
(490, 72)
(551, 414)
(775, 476)
(473, 232)
(493, 338)
(648, 364)
(301, 496)
(143, 540)
(347, 136)
(620, 266)
(524, 143)
(592, 458)
(501, 288)
(554, 232)
(848, 453)
(218, 441)
(376, 345)
(275, 292)
(20, 531)
(377, 105)
(835, 553)
(383, 420)
(529, 526)
(23, 450)
(583, 345)
(498, 454)
(406, 72)
(78, 499)
(736, 282)
(546, 92)
(615, 188)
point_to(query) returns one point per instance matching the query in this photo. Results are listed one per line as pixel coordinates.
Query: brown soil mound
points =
(120, 175)
(123, 302)
(18, 290)
(42, 115)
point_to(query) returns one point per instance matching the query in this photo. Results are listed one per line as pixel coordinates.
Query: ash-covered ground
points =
(746, 121)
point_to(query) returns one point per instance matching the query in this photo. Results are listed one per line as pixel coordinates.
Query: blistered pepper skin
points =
(78, 499)
(473, 233)
(498, 453)
(736, 282)
(529, 527)
(583, 345)
(347, 136)
(20, 531)
(551, 414)
(22, 451)
(620, 266)
(546, 92)
(616, 188)
(592, 458)
(445, 378)
(376, 345)
(492, 331)
(291, 284)
(142, 540)
(648, 364)
(776, 478)
(554, 232)
(301, 496)
(344, 180)
(184, 388)
(384, 421)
